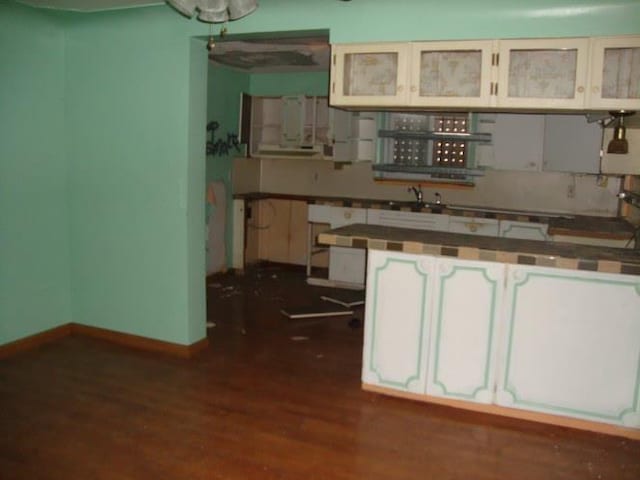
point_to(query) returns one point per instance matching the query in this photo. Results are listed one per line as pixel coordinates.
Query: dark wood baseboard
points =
(125, 339)
(34, 341)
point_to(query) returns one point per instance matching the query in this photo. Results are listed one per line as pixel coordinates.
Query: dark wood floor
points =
(262, 403)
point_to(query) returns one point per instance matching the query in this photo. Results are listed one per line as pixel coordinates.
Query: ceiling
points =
(255, 55)
(271, 55)
(89, 5)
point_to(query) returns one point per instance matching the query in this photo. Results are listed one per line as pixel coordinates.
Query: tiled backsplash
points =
(538, 192)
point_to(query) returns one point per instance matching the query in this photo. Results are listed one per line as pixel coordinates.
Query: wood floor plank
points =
(259, 405)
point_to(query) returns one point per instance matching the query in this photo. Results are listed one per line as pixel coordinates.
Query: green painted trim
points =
(436, 379)
(525, 227)
(372, 367)
(508, 387)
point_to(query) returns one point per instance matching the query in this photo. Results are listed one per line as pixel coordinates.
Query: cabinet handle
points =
(473, 227)
(413, 88)
(580, 89)
(595, 89)
(400, 88)
(347, 215)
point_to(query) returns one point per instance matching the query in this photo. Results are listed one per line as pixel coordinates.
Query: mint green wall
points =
(276, 84)
(384, 20)
(137, 231)
(224, 89)
(131, 146)
(34, 210)
(196, 171)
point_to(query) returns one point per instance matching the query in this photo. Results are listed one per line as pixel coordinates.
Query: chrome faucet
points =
(417, 191)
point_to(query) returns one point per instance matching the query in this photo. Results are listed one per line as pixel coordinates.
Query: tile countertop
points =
(577, 225)
(475, 247)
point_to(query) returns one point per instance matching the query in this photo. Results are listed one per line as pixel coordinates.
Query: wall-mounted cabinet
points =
(542, 73)
(370, 74)
(294, 125)
(306, 127)
(451, 74)
(615, 73)
(540, 142)
(550, 74)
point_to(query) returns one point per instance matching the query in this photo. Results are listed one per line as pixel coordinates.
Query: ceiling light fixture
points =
(215, 11)
(619, 143)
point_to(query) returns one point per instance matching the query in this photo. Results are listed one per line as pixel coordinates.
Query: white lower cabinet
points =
(346, 265)
(549, 340)
(572, 344)
(468, 298)
(397, 320)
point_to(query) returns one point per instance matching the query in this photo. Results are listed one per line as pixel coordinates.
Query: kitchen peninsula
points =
(545, 331)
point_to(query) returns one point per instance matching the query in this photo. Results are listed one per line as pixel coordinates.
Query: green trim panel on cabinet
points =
(572, 344)
(466, 320)
(397, 320)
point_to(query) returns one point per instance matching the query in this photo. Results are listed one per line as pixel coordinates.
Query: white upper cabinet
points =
(369, 74)
(543, 73)
(601, 73)
(451, 74)
(615, 73)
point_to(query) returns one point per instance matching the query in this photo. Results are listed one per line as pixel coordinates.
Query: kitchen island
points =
(545, 331)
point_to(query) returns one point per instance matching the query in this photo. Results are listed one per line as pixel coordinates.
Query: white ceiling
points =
(89, 5)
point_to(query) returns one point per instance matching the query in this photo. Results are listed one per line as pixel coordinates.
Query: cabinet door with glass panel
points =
(615, 73)
(451, 74)
(542, 73)
(369, 74)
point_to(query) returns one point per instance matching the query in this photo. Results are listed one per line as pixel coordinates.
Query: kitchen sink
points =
(504, 210)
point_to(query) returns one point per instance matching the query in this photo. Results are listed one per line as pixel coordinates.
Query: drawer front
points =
(524, 230)
(336, 216)
(474, 226)
(417, 220)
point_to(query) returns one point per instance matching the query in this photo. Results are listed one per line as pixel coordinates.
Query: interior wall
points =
(224, 90)
(541, 192)
(125, 126)
(277, 84)
(35, 292)
(136, 230)
(383, 20)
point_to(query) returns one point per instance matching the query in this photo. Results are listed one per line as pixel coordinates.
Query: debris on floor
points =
(211, 324)
(299, 338)
(346, 298)
(319, 310)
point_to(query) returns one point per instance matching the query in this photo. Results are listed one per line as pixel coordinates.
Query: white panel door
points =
(397, 320)
(615, 73)
(572, 344)
(451, 74)
(543, 73)
(369, 74)
(467, 308)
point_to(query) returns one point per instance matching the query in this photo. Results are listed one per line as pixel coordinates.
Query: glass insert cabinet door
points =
(366, 74)
(543, 73)
(615, 73)
(451, 73)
